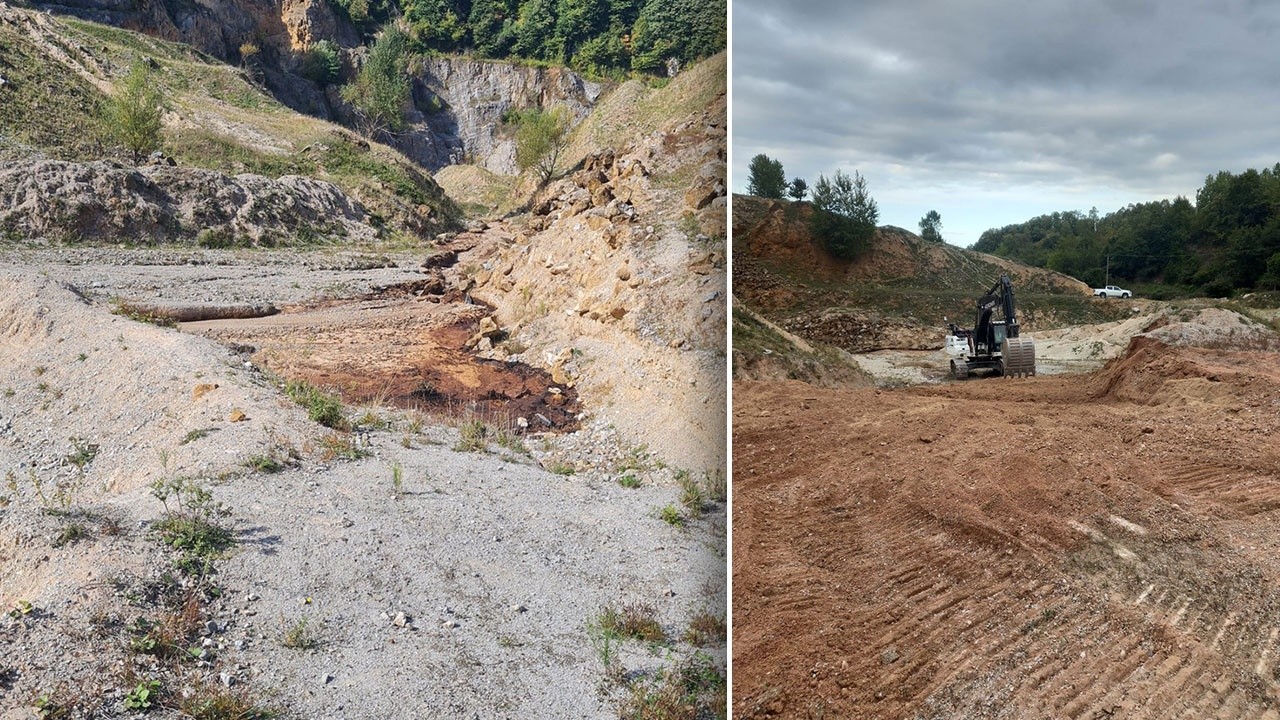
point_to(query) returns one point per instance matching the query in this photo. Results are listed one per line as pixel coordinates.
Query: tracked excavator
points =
(993, 346)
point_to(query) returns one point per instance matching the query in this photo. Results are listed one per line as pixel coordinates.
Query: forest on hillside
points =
(601, 38)
(1227, 241)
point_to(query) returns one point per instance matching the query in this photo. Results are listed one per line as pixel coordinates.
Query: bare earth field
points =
(1064, 546)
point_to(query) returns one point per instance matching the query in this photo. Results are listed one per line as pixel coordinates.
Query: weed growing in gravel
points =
(299, 635)
(264, 464)
(197, 434)
(629, 481)
(143, 695)
(208, 701)
(635, 620)
(473, 434)
(397, 480)
(321, 407)
(70, 535)
(607, 644)
(340, 445)
(49, 707)
(561, 468)
(40, 370)
(705, 629)
(9, 392)
(671, 516)
(82, 453)
(124, 308)
(81, 357)
(690, 493)
(716, 486)
(692, 689)
(191, 526)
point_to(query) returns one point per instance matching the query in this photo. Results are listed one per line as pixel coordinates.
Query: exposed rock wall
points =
(459, 104)
(105, 201)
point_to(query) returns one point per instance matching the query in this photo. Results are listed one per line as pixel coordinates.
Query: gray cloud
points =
(1096, 98)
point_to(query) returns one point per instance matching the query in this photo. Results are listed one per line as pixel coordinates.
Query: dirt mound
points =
(104, 201)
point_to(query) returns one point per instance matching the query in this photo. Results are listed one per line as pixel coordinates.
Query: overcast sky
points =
(994, 112)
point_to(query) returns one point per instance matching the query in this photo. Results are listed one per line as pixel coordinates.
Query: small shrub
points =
(629, 481)
(562, 469)
(134, 113)
(265, 464)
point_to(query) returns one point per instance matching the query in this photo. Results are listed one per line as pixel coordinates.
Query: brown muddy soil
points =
(393, 347)
(1054, 547)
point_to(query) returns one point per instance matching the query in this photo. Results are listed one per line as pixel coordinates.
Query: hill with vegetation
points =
(1226, 242)
(896, 294)
(61, 75)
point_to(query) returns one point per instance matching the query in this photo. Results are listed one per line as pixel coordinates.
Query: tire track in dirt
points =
(1056, 547)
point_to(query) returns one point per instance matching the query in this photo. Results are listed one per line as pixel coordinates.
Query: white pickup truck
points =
(1111, 291)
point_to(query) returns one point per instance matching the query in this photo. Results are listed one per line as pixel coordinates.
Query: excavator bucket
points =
(1018, 357)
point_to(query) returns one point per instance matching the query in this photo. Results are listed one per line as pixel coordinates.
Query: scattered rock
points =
(237, 415)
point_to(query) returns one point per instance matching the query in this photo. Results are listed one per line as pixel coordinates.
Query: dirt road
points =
(1085, 546)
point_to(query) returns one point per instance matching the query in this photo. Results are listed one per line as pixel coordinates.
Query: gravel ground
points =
(467, 593)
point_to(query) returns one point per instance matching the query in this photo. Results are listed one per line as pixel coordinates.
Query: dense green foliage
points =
(133, 114)
(845, 214)
(381, 90)
(1228, 240)
(596, 37)
(931, 226)
(765, 177)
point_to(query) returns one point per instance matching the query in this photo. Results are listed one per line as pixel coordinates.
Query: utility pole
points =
(1108, 280)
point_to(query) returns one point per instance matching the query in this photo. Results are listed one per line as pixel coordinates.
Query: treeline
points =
(1227, 241)
(602, 38)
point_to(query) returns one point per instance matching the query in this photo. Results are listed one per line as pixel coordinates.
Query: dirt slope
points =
(1056, 547)
(896, 295)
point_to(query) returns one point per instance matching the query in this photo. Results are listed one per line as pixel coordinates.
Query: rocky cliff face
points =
(459, 105)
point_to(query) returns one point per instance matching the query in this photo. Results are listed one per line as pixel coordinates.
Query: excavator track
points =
(1019, 357)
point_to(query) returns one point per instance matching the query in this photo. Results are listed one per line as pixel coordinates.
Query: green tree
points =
(535, 30)
(381, 89)
(577, 21)
(541, 135)
(436, 24)
(493, 26)
(134, 113)
(766, 178)
(845, 214)
(931, 226)
(797, 189)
